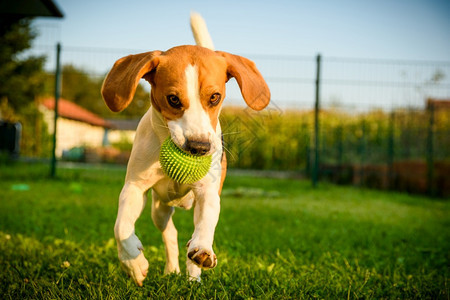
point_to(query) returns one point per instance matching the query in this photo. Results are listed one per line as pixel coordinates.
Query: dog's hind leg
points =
(162, 218)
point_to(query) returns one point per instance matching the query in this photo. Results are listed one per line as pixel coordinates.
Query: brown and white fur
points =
(187, 91)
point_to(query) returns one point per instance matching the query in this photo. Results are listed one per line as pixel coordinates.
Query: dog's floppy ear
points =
(253, 87)
(120, 84)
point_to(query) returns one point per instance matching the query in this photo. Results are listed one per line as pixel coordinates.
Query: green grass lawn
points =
(276, 239)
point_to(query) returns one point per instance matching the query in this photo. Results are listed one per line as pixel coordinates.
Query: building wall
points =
(116, 136)
(73, 133)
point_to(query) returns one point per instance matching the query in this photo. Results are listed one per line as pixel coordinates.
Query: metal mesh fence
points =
(373, 115)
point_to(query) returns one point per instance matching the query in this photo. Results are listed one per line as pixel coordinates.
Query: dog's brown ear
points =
(253, 87)
(120, 84)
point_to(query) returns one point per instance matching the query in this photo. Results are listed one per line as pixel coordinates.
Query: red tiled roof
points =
(70, 110)
(438, 104)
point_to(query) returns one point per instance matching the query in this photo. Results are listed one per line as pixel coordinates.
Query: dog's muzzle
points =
(197, 147)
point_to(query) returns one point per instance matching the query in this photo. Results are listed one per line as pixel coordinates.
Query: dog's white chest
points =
(172, 193)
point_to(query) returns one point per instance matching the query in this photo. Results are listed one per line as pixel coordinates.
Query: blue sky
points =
(396, 29)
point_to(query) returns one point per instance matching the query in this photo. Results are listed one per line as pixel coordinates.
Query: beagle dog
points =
(187, 91)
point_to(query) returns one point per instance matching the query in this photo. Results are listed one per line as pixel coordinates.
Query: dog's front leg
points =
(206, 215)
(131, 203)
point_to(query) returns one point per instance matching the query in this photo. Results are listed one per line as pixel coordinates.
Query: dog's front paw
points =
(136, 268)
(202, 257)
(132, 260)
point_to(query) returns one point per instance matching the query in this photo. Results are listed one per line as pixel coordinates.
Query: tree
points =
(21, 82)
(81, 88)
(21, 79)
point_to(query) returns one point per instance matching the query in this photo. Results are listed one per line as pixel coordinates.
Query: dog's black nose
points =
(198, 147)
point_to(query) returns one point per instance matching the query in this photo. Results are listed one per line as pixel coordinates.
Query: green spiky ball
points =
(181, 166)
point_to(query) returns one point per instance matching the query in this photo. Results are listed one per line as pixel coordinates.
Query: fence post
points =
(390, 154)
(340, 145)
(430, 150)
(316, 124)
(363, 149)
(57, 95)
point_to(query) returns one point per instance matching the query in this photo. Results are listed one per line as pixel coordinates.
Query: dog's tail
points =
(200, 31)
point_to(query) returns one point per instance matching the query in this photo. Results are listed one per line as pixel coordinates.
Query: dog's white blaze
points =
(195, 122)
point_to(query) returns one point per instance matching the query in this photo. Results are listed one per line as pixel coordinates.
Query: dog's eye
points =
(174, 101)
(215, 99)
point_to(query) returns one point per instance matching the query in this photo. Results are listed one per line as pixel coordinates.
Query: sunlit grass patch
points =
(276, 239)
